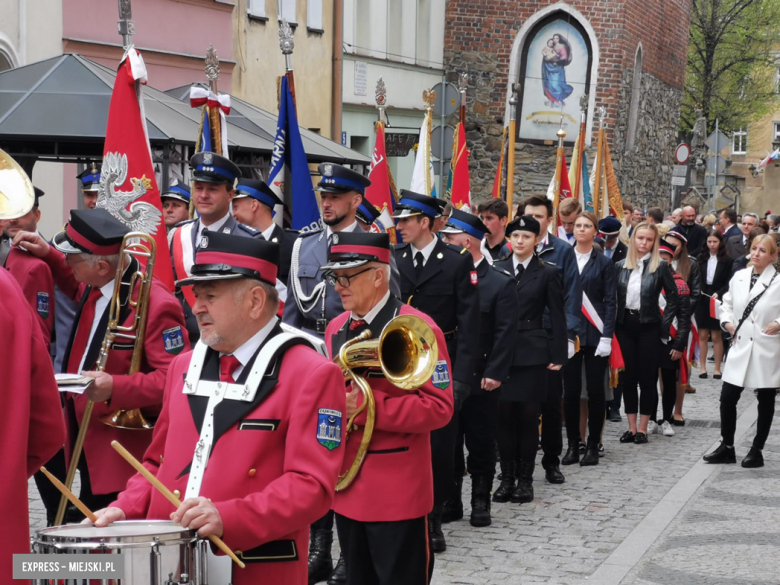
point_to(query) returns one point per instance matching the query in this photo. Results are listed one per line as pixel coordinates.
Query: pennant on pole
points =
(423, 180)
(381, 193)
(459, 187)
(498, 188)
(128, 187)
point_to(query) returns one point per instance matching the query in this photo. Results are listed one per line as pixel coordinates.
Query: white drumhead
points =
(125, 529)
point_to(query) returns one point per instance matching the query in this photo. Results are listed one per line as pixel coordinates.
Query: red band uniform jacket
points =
(166, 336)
(35, 278)
(33, 429)
(396, 479)
(268, 474)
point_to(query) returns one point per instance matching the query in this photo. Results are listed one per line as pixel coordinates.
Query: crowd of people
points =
(254, 426)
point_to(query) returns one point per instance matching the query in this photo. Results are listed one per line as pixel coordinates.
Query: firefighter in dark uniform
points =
(253, 205)
(440, 280)
(497, 336)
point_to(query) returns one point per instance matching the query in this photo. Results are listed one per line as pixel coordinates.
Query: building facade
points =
(627, 56)
(749, 145)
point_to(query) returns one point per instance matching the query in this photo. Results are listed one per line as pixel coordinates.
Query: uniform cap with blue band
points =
(412, 203)
(367, 213)
(339, 179)
(462, 222)
(90, 177)
(176, 191)
(209, 167)
(258, 190)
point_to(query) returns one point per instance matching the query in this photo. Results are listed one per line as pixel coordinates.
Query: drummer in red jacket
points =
(251, 428)
(381, 516)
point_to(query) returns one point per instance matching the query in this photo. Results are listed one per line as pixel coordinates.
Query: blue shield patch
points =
(441, 375)
(42, 304)
(329, 426)
(173, 339)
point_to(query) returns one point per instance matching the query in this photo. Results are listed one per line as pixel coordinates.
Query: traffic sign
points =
(449, 134)
(680, 175)
(717, 141)
(716, 165)
(682, 153)
(447, 99)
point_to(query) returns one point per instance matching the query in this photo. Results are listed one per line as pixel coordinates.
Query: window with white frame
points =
(775, 131)
(314, 15)
(739, 141)
(256, 8)
(287, 11)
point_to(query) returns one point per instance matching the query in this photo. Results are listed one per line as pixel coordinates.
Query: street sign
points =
(447, 99)
(716, 165)
(717, 141)
(449, 134)
(682, 153)
(680, 175)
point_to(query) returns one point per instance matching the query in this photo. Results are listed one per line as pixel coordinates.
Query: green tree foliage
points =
(733, 56)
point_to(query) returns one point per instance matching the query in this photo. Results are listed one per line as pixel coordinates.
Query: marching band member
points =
(176, 204)
(381, 517)
(212, 191)
(84, 264)
(269, 467)
(439, 280)
(253, 206)
(478, 419)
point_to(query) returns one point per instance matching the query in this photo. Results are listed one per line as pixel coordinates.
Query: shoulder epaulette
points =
(185, 222)
(247, 228)
(291, 231)
(500, 270)
(455, 248)
(309, 233)
(401, 246)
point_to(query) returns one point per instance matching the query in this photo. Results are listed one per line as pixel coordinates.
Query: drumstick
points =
(170, 497)
(70, 495)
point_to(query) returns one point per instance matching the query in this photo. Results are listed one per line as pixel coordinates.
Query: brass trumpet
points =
(406, 351)
(138, 245)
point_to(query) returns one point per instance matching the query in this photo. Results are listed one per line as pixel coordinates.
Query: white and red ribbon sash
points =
(616, 356)
(200, 96)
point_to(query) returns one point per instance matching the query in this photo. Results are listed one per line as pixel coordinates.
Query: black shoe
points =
(572, 455)
(480, 501)
(507, 485)
(640, 439)
(721, 455)
(452, 510)
(703, 376)
(553, 474)
(614, 415)
(717, 376)
(678, 422)
(524, 492)
(627, 437)
(591, 456)
(339, 574)
(753, 459)
(438, 544)
(320, 559)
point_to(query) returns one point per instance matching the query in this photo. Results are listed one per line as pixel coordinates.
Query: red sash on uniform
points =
(181, 272)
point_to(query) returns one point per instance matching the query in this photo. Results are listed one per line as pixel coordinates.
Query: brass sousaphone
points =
(406, 351)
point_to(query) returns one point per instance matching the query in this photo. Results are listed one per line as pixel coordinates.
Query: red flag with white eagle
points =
(381, 193)
(128, 187)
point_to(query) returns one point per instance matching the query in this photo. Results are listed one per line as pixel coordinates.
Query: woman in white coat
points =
(751, 314)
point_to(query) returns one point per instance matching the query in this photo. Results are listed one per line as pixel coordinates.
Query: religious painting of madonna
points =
(554, 74)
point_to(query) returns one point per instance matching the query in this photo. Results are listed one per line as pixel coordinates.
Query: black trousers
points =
(50, 495)
(518, 431)
(595, 366)
(669, 396)
(386, 553)
(443, 459)
(478, 419)
(729, 396)
(324, 523)
(552, 420)
(641, 350)
(617, 393)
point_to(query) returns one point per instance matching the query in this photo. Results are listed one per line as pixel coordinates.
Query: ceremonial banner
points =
(289, 176)
(381, 193)
(128, 187)
(499, 183)
(423, 180)
(201, 97)
(458, 184)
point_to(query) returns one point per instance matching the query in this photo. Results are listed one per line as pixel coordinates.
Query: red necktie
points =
(355, 323)
(86, 318)
(227, 365)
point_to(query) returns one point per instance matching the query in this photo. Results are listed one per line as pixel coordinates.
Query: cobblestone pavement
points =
(726, 533)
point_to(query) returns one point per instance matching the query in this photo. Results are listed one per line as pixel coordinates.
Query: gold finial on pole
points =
(381, 99)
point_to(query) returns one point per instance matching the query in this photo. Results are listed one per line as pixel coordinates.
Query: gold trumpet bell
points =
(17, 195)
(131, 420)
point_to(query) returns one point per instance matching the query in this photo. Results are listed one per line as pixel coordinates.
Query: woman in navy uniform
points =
(539, 288)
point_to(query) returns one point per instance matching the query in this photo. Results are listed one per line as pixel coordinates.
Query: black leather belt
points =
(527, 325)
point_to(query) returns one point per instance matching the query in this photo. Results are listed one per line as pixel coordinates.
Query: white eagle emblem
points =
(139, 216)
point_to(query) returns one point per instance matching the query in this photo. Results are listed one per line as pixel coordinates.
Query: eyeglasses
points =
(344, 281)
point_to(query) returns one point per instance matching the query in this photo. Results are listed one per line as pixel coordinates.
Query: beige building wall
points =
(259, 61)
(761, 193)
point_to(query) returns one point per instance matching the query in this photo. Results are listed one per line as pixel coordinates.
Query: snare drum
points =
(156, 552)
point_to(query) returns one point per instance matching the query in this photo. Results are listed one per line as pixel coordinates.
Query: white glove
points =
(605, 347)
(571, 349)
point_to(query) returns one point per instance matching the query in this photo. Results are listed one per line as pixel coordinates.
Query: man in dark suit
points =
(440, 280)
(728, 224)
(609, 230)
(253, 205)
(736, 246)
(696, 233)
(559, 254)
(478, 418)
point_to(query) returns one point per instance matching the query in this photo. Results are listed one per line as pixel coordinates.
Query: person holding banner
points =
(597, 327)
(715, 267)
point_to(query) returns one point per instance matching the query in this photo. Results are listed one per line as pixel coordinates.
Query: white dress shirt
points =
(634, 290)
(106, 292)
(371, 315)
(525, 263)
(543, 243)
(350, 228)
(214, 227)
(426, 251)
(712, 264)
(269, 232)
(582, 259)
(247, 349)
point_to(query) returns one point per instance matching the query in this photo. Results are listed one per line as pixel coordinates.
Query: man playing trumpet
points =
(381, 516)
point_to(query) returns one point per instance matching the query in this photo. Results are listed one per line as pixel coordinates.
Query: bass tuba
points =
(406, 351)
